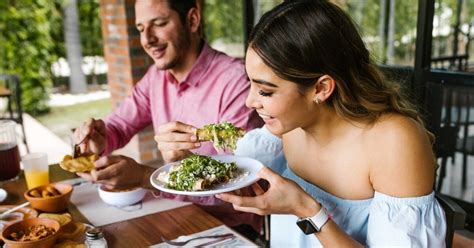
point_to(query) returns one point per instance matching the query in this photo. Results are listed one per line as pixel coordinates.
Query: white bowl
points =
(121, 198)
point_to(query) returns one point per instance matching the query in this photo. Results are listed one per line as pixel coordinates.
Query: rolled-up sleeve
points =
(406, 222)
(130, 117)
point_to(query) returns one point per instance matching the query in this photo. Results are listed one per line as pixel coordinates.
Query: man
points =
(188, 83)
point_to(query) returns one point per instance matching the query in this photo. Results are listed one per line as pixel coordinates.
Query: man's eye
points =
(160, 24)
(263, 93)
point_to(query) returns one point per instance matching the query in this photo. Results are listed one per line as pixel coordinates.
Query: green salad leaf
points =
(223, 135)
(199, 167)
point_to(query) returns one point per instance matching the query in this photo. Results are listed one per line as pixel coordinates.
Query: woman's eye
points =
(263, 93)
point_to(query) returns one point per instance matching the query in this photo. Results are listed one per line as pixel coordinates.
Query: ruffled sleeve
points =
(263, 146)
(406, 222)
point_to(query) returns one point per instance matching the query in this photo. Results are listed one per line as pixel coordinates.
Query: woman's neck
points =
(327, 126)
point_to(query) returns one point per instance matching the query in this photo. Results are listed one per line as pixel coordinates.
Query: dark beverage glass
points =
(9, 153)
(9, 161)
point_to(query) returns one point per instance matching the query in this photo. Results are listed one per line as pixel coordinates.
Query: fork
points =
(77, 149)
(181, 243)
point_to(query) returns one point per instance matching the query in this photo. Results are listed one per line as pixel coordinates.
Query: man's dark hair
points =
(182, 7)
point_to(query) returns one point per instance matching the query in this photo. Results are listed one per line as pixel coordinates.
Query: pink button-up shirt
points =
(213, 92)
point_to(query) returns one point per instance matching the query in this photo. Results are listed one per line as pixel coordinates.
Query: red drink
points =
(9, 161)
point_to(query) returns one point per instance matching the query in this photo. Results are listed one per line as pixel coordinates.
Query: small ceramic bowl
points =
(24, 225)
(52, 204)
(121, 198)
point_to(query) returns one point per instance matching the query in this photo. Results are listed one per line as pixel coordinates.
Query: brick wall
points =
(127, 63)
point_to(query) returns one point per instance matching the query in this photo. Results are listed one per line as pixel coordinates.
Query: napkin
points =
(86, 199)
(237, 241)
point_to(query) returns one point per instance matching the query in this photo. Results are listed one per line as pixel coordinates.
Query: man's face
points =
(162, 35)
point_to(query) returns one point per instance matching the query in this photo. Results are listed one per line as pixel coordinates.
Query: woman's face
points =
(277, 101)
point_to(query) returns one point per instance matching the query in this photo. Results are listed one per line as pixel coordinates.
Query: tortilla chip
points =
(63, 219)
(80, 164)
(72, 231)
(69, 244)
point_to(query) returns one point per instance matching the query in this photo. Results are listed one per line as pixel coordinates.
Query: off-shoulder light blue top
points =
(382, 221)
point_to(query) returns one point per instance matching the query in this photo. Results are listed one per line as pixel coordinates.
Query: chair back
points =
(455, 217)
(15, 109)
(14, 102)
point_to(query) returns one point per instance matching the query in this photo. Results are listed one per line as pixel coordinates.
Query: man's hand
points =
(175, 139)
(92, 132)
(119, 172)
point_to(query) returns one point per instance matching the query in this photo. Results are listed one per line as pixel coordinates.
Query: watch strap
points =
(320, 218)
(317, 221)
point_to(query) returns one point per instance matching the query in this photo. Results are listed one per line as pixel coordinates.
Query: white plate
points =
(247, 174)
(3, 195)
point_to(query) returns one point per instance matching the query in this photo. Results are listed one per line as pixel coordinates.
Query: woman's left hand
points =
(282, 197)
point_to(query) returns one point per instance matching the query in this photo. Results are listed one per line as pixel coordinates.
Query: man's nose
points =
(149, 36)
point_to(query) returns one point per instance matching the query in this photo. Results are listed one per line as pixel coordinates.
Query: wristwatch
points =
(310, 225)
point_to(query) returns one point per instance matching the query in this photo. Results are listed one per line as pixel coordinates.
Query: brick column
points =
(127, 63)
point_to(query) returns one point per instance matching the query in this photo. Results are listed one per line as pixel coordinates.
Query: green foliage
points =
(32, 39)
(90, 26)
(26, 47)
(223, 20)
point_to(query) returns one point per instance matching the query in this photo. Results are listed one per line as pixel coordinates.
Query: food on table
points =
(49, 191)
(63, 219)
(196, 173)
(223, 135)
(84, 163)
(73, 231)
(15, 216)
(33, 233)
(118, 190)
(20, 214)
(69, 244)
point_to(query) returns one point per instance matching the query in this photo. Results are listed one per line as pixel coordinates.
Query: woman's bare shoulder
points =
(402, 163)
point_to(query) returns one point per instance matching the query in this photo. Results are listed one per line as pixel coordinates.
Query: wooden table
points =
(139, 232)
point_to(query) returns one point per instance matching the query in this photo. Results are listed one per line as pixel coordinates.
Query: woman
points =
(357, 149)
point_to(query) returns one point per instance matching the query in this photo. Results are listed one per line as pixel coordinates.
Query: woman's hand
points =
(282, 197)
(175, 139)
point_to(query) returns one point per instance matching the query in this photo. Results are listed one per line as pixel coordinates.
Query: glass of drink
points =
(9, 153)
(36, 169)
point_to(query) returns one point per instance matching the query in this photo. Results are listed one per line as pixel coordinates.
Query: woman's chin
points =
(275, 130)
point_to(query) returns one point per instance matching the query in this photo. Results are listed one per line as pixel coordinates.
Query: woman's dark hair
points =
(302, 40)
(182, 7)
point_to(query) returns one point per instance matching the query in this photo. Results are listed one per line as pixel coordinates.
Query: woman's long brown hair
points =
(301, 40)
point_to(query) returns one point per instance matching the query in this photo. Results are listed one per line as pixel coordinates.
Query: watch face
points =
(307, 226)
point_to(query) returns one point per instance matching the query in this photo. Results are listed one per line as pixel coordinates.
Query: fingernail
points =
(218, 196)
(193, 138)
(197, 144)
(194, 130)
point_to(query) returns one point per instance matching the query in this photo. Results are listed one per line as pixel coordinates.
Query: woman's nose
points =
(251, 101)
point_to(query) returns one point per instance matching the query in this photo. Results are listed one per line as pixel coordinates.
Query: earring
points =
(317, 100)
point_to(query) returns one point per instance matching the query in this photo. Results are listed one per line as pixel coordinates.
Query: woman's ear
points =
(324, 87)
(194, 19)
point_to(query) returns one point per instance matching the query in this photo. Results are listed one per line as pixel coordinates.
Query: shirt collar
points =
(199, 68)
